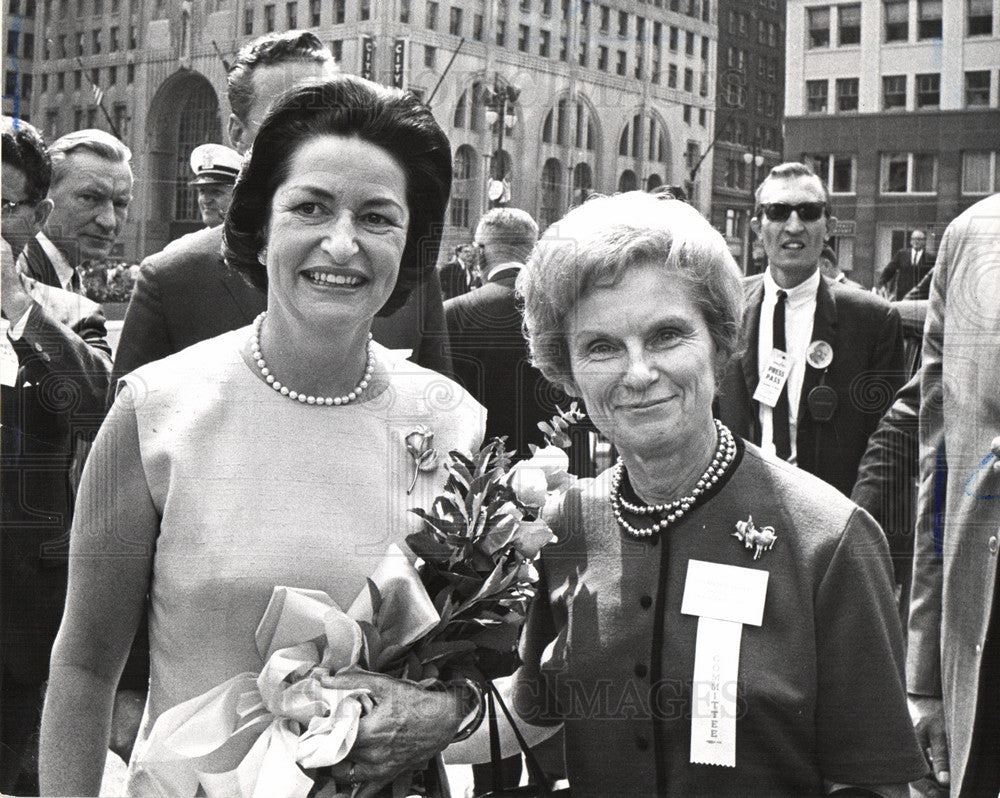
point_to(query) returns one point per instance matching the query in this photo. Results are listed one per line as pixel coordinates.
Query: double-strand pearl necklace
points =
(673, 511)
(306, 399)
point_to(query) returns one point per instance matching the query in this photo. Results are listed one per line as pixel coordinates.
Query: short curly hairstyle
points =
(596, 243)
(393, 120)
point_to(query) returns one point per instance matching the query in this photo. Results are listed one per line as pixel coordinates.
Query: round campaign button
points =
(819, 355)
(822, 401)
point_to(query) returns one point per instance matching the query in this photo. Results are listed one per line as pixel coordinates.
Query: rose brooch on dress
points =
(760, 540)
(419, 444)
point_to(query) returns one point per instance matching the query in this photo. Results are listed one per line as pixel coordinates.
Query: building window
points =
(459, 212)
(291, 15)
(977, 89)
(897, 20)
(622, 24)
(133, 38)
(455, 21)
(928, 19)
(893, 92)
(582, 54)
(979, 18)
(818, 26)
(672, 42)
(77, 79)
(339, 11)
(130, 74)
(837, 171)
(45, 82)
(703, 117)
(847, 94)
(620, 65)
(364, 10)
(929, 91)
(113, 43)
(688, 79)
(431, 16)
(430, 56)
(689, 43)
(816, 96)
(337, 50)
(545, 43)
(79, 43)
(404, 11)
(502, 32)
(546, 8)
(605, 19)
(477, 27)
(687, 114)
(849, 24)
(248, 21)
(314, 13)
(563, 48)
(908, 173)
(269, 19)
(979, 173)
(522, 38)
(61, 81)
(112, 75)
(98, 7)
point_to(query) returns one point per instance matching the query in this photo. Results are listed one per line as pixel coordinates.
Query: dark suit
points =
(867, 369)
(492, 362)
(907, 273)
(56, 404)
(36, 264)
(186, 294)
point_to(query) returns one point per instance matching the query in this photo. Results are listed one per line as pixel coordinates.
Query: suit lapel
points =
(754, 293)
(38, 266)
(824, 329)
(248, 299)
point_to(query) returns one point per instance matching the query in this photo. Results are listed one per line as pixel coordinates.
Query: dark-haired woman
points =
(275, 454)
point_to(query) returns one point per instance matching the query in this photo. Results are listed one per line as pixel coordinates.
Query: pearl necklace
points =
(673, 511)
(307, 399)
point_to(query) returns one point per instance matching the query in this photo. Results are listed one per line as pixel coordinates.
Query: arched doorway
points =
(184, 113)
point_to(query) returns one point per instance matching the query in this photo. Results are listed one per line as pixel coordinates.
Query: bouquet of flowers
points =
(456, 613)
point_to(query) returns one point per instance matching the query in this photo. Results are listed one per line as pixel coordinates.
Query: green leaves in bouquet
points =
(479, 579)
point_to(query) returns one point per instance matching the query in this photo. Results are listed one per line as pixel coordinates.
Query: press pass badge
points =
(8, 357)
(724, 597)
(773, 379)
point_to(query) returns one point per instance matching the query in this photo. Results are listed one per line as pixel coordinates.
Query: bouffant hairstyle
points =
(596, 243)
(24, 149)
(394, 120)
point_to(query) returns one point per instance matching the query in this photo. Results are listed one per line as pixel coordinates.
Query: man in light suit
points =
(822, 361)
(54, 368)
(908, 265)
(953, 656)
(90, 194)
(186, 293)
(489, 352)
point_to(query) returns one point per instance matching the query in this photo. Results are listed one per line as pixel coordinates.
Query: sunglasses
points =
(780, 211)
(12, 205)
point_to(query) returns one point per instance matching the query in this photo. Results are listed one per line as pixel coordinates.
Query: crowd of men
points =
(820, 384)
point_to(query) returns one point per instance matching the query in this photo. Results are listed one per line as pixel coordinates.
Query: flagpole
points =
(99, 99)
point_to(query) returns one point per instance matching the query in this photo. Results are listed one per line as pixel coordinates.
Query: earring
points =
(262, 257)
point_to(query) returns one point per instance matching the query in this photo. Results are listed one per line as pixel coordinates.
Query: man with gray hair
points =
(90, 192)
(489, 352)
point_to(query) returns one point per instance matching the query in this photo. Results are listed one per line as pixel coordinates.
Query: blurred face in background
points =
(213, 202)
(21, 219)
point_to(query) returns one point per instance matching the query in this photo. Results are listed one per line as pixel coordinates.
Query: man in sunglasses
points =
(822, 360)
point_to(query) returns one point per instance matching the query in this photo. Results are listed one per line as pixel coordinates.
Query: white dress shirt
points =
(800, 308)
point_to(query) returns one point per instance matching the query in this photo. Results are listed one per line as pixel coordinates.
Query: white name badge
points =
(773, 379)
(724, 597)
(724, 592)
(8, 357)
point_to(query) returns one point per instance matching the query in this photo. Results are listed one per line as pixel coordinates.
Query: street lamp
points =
(754, 161)
(501, 116)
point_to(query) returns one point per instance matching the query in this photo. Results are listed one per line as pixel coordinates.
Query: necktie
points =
(779, 416)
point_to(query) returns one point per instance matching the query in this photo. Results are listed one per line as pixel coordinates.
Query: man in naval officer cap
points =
(215, 169)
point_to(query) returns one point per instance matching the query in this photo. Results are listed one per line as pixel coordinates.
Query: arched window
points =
(461, 109)
(547, 128)
(628, 181)
(550, 207)
(478, 110)
(462, 164)
(583, 183)
(653, 181)
(198, 123)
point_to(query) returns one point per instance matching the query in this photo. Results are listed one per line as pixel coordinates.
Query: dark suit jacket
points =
(56, 405)
(907, 275)
(867, 370)
(38, 266)
(492, 363)
(186, 294)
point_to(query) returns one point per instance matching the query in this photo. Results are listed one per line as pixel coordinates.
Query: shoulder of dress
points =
(181, 373)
